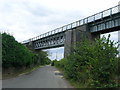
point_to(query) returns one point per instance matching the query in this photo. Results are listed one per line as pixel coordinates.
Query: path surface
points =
(44, 77)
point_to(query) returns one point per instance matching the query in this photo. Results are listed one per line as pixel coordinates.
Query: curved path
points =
(44, 77)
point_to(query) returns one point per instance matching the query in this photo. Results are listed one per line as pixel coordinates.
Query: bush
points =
(43, 59)
(94, 63)
(15, 54)
(53, 62)
(61, 63)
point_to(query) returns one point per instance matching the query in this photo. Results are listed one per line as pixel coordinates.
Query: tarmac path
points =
(44, 77)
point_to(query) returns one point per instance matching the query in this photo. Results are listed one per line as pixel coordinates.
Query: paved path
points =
(45, 77)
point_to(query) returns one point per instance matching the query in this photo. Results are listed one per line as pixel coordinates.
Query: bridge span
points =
(92, 26)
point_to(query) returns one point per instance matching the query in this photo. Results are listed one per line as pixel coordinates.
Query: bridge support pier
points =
(77, 35)
(30, 46)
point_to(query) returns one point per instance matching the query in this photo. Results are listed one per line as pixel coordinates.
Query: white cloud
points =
(29, 18)
(55, 53)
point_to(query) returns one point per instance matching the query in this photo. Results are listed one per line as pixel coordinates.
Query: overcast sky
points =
(25, 19)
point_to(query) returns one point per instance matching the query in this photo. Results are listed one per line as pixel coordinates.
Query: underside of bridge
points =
(68, 35)
(72, 37)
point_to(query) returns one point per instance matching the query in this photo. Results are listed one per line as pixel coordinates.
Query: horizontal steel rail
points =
(93, 18)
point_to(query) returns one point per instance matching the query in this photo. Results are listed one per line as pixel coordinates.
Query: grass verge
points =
(74, 83)
(77, 84)
(19, 72)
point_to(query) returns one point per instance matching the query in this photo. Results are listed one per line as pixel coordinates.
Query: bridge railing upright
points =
(92, 18)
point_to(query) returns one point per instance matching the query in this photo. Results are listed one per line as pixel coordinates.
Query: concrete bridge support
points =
(77, 35)
(30, 46)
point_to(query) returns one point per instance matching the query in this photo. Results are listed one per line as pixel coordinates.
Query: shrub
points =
(15, 54)
(61, 63)
(53, 62)
(43, 59)
(94, 63)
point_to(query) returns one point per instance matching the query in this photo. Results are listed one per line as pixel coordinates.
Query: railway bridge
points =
(103, 22)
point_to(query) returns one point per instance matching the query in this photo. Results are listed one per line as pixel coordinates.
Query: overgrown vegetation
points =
(16, 55)
(53, 62)
(92, 64)
(43, 58)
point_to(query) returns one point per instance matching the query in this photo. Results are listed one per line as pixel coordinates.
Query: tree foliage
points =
(15, 54)
(43, 59)
(94, 63)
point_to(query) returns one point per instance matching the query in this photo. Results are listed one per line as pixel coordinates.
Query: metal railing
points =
(97, 16)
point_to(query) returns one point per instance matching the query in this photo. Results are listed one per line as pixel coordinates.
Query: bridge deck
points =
(87, 20)
(102, 22)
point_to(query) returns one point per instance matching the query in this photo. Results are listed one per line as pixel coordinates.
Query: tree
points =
(15, 54)
(94, 63)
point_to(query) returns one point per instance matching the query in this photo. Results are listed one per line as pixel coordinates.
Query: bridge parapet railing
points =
(97, 16)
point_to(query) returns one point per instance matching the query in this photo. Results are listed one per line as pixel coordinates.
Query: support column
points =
(77, 35)
(68, 42)
(29, 45)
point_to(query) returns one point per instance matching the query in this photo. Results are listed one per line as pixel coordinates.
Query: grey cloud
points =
(37, 10)
(56, 51)
(40, 12)
(34, 18)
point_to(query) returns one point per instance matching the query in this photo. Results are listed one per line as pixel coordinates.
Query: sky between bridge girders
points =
(29, 18)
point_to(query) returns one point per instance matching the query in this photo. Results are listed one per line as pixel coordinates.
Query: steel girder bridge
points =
(102, 22)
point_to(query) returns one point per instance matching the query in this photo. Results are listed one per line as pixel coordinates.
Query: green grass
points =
(28, 70)
(74, 83)
(20, 72)
(77, 84)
